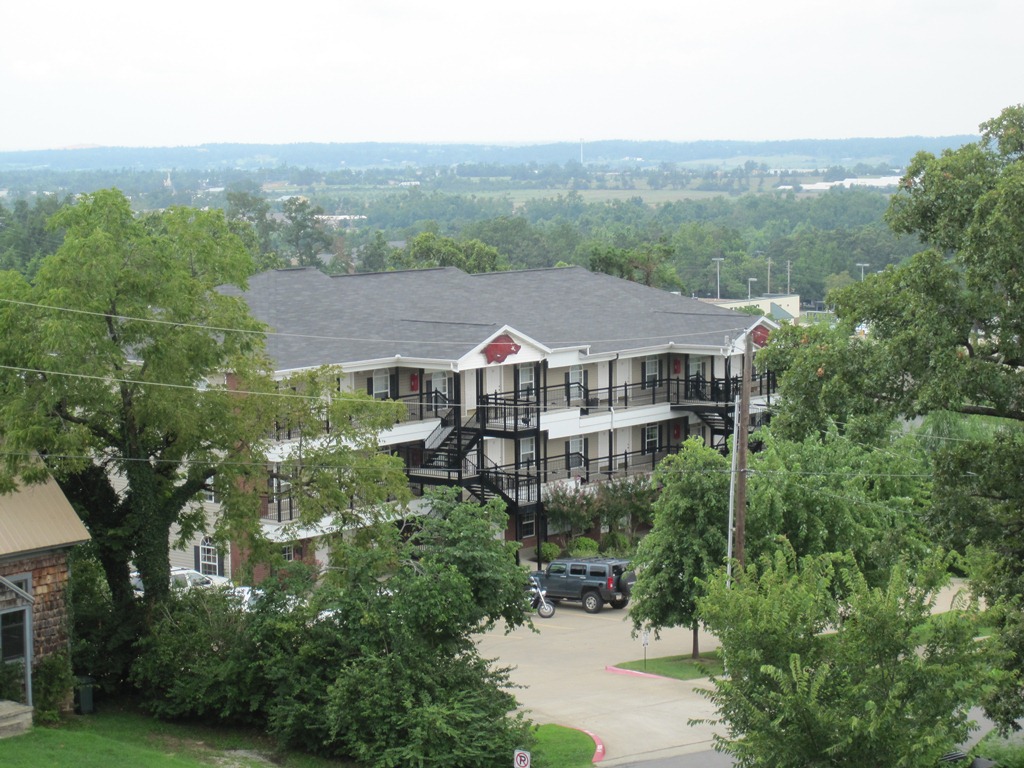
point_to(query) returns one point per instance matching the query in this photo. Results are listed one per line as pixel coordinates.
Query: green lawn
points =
(560, 747)
(678, 667)
(119, 737)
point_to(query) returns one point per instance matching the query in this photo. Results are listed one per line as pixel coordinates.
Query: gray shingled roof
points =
(444, 313)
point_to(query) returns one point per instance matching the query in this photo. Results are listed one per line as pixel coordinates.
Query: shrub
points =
(52, 682)
(615, 543)
(583, 547)
(201, 659)
(12, 681)
(549, 551)
(101, 638)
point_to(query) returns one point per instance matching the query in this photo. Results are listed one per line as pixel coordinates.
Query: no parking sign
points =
(521, 759)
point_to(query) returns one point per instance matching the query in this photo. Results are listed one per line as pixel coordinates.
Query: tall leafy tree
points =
(834, 494)
(944, 331)
(688, 542)
(825, 669)
(303, 233)
(141, 385)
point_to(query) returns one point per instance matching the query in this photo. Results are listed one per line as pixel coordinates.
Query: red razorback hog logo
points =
(760, 335)
(502, 347)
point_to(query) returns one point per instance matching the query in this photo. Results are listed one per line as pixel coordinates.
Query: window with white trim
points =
(528, 451)
(439, 389)
(576, 448)
(209, 557)
(288, 552)
(697, 366)
(651, 371)
(575, 382)
(650, 438)
(381, 384)
(209, 494)
(528, 525)
(527, 380)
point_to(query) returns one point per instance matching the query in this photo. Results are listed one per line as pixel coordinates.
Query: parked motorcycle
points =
(539, 601)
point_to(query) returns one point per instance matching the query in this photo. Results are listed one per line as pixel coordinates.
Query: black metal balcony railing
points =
(518, 411)
(595, 468)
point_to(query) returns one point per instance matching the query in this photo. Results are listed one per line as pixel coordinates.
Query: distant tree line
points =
(775, 242)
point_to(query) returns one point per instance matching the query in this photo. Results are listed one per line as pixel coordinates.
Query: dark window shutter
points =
(393, 381)
(568, 393)
(220, 563)
(195, 553)
(586, 385)
(643, 375)
(586, 449)
(515, 381)
(568, 460)
(369, 386)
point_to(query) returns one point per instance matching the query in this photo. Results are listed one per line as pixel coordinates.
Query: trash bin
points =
(84, 694)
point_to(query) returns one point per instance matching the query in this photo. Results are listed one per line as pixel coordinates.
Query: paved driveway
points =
(564, 670)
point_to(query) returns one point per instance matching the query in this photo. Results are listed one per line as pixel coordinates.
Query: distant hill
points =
(796, 153)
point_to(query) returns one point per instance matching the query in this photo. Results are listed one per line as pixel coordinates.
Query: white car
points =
(183, 579)
(186, 578)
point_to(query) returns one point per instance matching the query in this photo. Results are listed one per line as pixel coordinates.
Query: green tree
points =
(944, 332)
(429, 249)
(303, 232)
(571, 510)
(377, 255)
(626, 504)
(248, 206)
(377, 665)
(833, 494)
(826, 670)
(141, 385)
(113, 339)
(688, 542)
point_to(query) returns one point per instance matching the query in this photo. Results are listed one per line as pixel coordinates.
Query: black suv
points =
(592, 580)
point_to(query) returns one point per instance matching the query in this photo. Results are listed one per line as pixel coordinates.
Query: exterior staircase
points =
(15, 718)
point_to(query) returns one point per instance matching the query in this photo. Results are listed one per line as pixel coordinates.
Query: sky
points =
(183, 73)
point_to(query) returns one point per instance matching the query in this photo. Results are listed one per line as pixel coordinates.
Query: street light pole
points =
(862, 265)
(750, 280)
(718, 277)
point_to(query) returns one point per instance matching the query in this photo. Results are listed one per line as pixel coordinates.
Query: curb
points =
(633, 672)
(598, 744)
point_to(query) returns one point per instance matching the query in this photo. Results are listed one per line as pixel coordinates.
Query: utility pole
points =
(740, 446)
(788, 265)
(769, 291)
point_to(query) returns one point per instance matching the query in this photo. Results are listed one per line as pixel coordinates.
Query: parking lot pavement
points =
(564, 670)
